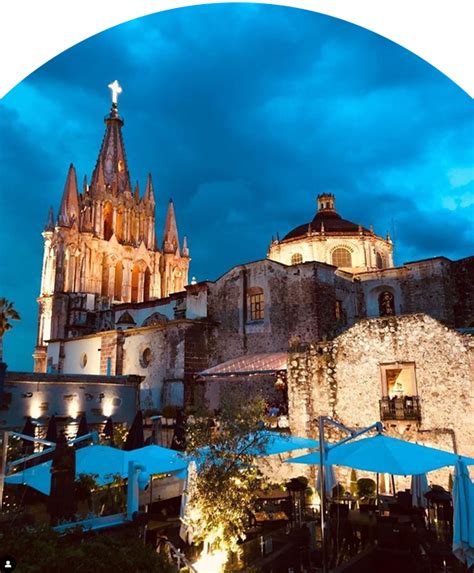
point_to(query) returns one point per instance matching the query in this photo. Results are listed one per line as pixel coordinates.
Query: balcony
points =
(403, 408)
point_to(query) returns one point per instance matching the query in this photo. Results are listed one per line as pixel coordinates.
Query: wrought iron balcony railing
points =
(400, 408)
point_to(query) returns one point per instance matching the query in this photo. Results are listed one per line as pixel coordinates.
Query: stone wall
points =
(342, 379)
(299, 302)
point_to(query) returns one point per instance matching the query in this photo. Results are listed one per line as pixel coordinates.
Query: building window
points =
(386, 304)
(118, 281)
(379, 261)
(255, 303)
(296, 259)
(399, 392)
(341, 257)
(146, 285)
(135, 277)
(146, 358)
(108, 221)
(83, 360)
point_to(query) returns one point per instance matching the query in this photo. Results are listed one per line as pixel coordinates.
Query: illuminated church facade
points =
(324, 320)
(101, 250)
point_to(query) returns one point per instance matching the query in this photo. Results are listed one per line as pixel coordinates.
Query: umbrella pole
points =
(393, 485)
(322, 489)
(377, 499)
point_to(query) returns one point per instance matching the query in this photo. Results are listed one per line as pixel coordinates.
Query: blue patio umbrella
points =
(383, 454)
(463, 505)
(266, 443)
(104, 462)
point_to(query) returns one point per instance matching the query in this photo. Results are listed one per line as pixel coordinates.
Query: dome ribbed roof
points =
(329, 219)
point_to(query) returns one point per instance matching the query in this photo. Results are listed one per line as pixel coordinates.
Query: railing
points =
(400, 408)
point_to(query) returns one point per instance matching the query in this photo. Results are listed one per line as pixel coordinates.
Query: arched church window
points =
(118, 281)
(341, 257)
(147, 285)
(135, 280)
(296, 259)
(255, 304)
(386, 304)
(104, 291)
(119, 225)
(379, 261)
(108, 221)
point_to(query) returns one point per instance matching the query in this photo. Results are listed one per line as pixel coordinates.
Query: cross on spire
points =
(116, 90)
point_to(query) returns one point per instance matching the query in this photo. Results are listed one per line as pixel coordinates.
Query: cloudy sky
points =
(243, 114)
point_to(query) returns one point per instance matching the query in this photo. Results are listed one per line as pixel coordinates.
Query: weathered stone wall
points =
(464, 305)
(342, 379)
(299, 301)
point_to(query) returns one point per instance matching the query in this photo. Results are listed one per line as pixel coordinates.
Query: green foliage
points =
(45, 551)
(353, 486)
(228, 481)
(365, 488)
(7, 313)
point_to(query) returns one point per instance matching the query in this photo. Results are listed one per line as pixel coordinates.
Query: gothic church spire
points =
(170, 235)
(111, 169)
(69, 210)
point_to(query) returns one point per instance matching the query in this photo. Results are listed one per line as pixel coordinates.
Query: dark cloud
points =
(243, 113)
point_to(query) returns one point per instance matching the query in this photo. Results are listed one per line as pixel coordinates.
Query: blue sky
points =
(243, 113)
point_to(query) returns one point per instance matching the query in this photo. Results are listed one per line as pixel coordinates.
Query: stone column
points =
(127, 281)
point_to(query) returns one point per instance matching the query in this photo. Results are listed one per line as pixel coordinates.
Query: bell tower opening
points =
(108, 221)
(326, 202)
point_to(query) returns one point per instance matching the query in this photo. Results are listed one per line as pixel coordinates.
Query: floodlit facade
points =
(102, 249)
(330, 239)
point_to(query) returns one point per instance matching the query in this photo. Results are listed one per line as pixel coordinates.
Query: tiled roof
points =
(264, 363)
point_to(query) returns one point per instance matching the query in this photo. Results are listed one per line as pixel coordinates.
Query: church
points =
(325, 323)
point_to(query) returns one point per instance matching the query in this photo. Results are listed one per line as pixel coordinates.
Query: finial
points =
(116, 90)
(389, 239)
(194, 281)
(371, 229)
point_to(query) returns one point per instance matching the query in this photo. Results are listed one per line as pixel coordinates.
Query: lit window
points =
(255, 303)
(296, 259)
(341, 258)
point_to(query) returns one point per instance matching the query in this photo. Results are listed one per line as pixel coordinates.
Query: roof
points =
(332, 222)
(264, 363)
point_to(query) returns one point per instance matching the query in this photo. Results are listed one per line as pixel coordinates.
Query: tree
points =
(227, 481)
(7, 313)
(43, 549)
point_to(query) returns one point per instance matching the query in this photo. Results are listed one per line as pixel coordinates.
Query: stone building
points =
(102, 248)
(41, 395)
(411, 372)
(113, 304)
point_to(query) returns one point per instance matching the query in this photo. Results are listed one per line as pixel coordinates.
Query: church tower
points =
(102, 248)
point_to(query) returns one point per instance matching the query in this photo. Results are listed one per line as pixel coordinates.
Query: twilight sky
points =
(243, 113)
